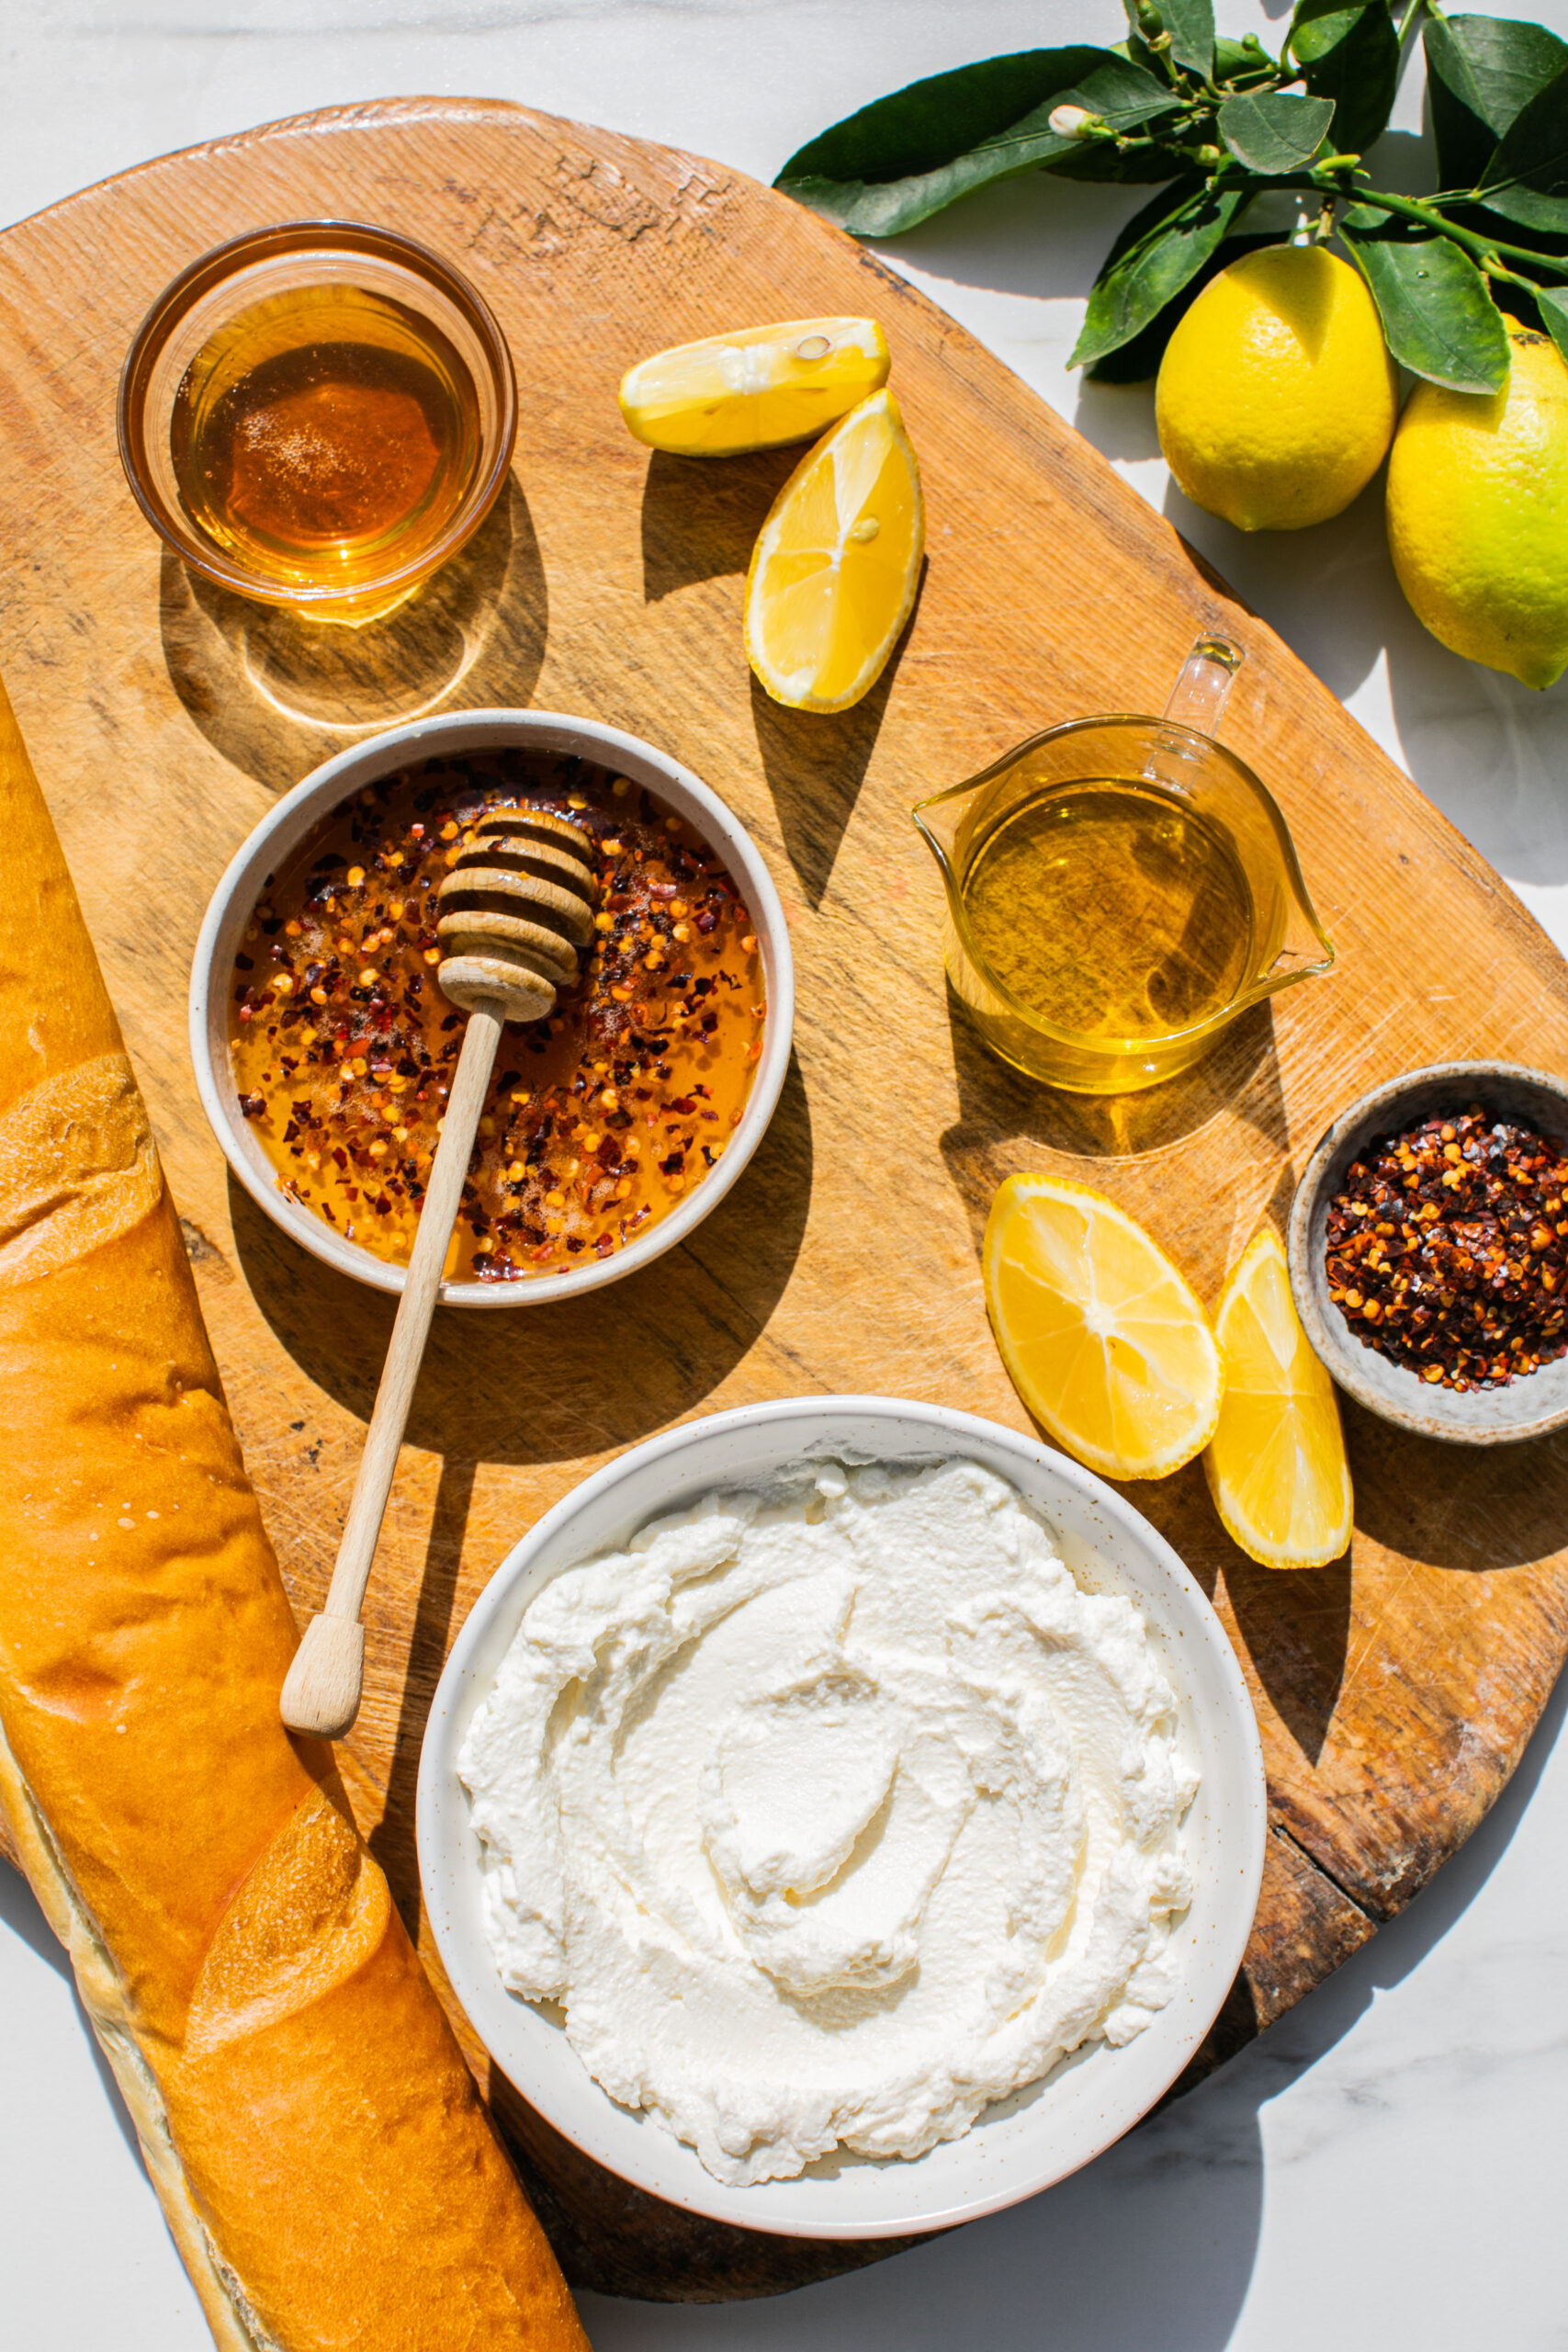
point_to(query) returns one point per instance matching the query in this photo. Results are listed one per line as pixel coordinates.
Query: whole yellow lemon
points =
(1277, 398)
(1478, 514)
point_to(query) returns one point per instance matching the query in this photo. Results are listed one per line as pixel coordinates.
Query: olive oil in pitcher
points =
(1119, 889)
(1112, 910)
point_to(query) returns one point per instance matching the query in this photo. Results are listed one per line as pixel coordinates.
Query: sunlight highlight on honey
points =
(325, 436)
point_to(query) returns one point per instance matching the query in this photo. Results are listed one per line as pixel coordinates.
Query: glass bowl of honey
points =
(318, 415)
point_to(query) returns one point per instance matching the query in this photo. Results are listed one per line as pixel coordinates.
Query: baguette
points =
(328, 2172)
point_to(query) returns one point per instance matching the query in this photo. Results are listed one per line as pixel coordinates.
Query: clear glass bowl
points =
(260, 267)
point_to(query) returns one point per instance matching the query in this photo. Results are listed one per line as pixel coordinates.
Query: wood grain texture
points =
(1395, 1689)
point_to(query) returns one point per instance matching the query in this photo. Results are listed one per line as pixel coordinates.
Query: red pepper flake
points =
(1447, 1249)
(368, 1075)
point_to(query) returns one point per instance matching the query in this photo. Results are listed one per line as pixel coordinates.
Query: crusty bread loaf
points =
(328, 2172)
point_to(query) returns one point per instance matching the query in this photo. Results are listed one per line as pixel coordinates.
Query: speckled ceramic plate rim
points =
(1020, 2145)
(1479, 1417)
(327, 787)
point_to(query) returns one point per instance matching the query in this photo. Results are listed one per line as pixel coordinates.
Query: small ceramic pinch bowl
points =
(1529, 1406)
(1020, 2144)
(275, 840)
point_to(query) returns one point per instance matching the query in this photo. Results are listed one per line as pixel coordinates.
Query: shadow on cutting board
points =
(701, 516)
(700, 521)
(1005, 1120)
(815, 763)
(580, 1376)
(275, 694)
(391, 1841)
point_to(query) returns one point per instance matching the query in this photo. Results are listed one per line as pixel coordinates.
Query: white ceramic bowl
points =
(337, 780)
(1024, 2143)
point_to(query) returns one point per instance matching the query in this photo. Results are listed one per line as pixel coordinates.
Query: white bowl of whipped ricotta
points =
(842, 1817)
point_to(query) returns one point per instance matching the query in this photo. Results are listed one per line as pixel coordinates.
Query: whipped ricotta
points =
(831, 1814)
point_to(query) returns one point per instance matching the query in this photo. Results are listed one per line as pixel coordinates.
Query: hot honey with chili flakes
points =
(1447, 1249)
(598, 1121)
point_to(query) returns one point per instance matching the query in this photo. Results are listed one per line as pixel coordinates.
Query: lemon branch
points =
(1491, 253)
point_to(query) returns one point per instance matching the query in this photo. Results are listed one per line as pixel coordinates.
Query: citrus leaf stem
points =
(1483, 250)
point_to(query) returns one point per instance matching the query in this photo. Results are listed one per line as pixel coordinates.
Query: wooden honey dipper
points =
(515, 908)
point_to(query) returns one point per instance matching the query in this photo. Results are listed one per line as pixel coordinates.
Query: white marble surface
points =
(1384, 2171)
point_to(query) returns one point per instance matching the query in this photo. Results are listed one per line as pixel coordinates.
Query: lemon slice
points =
(1276, 1464)
(836, 565)
(1102, 1339)
(753, 391)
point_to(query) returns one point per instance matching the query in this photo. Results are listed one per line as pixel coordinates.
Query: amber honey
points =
(1111, 909)
(325, 436)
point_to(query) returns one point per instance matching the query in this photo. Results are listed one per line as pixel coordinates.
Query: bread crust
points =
(328, 2173)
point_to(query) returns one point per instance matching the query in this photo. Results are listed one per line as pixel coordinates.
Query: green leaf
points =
(931, 122)
(1233, 61)
(1351, 55)
(1159, 251)
(1124, 93)
(1276, 131)
(1528, 177)
(907, 156)
(1101, 159)
(1138, 362)
(1482, 72)
(1191, 24)
(1436, 314)
(1552, 304)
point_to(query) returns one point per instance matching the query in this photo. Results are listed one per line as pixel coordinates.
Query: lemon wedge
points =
(1101, 1337)
(1276, 1464)
(836, 565)
(753, 391)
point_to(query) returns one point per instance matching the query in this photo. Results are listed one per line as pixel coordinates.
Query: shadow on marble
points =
(1035, 236)
(1120, 420)
(1491, 752)
(1329, 591)
(20, 1913)
(1154, 2244)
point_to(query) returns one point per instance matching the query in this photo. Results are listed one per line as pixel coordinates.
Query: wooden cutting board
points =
(1396, 1688)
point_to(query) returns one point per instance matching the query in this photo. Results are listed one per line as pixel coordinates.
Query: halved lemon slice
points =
(1276, 1464)
(836, 565)
(1101, 1337)
(755, 390)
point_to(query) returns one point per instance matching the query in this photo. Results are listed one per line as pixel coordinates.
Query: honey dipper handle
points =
(321, 1692)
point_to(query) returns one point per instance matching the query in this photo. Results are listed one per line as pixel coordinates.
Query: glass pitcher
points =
(1141, 790)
